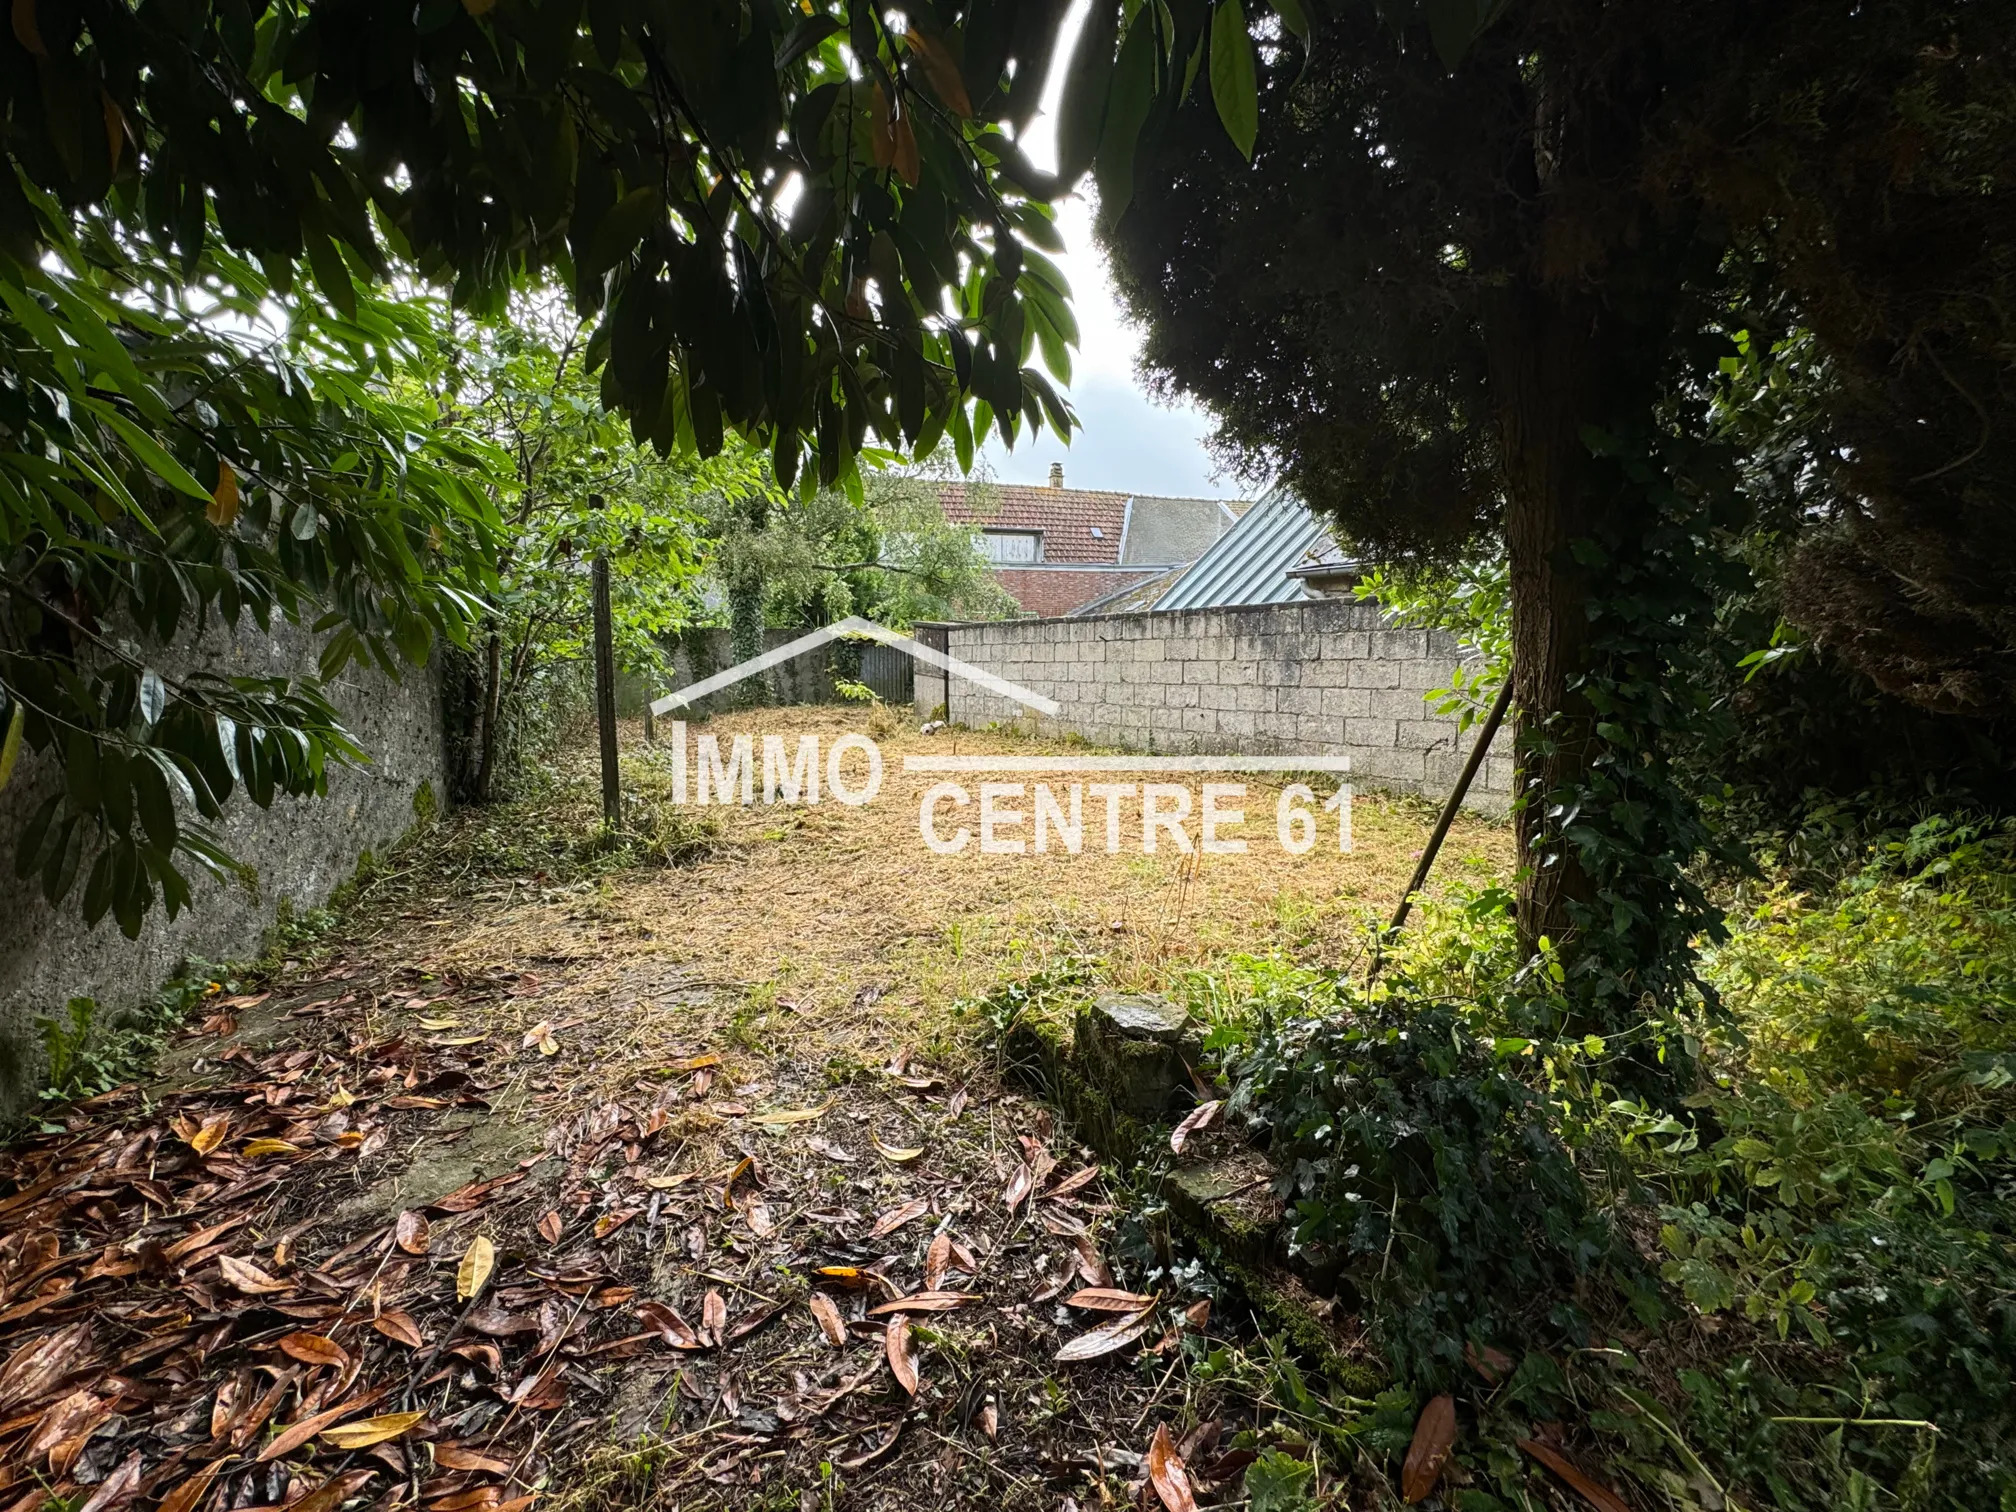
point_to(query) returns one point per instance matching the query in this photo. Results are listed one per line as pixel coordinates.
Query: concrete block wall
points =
(1328, 676)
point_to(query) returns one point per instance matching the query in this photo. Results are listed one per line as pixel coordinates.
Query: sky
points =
(1128, 442)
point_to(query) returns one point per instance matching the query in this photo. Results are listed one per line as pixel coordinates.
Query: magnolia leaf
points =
(1600, 1497)
(244, 1276)
(826, 1313)
(224, 497)
(1234, 89)
(902, 1362)
(1106, 1299)
(780, 1116)
(1166, 1473)
(374, 1430)
(925, 1301)
(894, 1153)
(1199, 1117)
(1434, 1437)
(398, 1326)
(1107, 1338)
(937, 1261)
(474, 1268)
(896, 1217)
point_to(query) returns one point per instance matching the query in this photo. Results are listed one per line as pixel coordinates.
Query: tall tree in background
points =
(1498, 269)
(893, 557)
(577, 483)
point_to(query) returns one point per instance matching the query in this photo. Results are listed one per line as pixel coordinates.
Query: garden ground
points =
(547, 1169)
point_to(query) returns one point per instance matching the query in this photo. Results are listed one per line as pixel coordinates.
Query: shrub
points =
(1410, 1152)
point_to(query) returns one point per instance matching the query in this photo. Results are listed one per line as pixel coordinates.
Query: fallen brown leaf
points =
(1107, 1338)
(333, 1492)
(314, 1349)
(244, 1276)
(1167, 1475)
(1600, 1497)
(1106, 1299)
(552, 1226)
(714, 1316)
(189, 1494)
(937, 1261)
(925, 1301)
(896, 1217)
(399, 1327)
(118, 1488)
(871, 1456)
(474, 1268)
(1199, 1117)
(34, 1370)
(461, 1457)
(410, 1233)
(1434, 1437)
(294, 1435)
(669, 1326)
(374, 1430)
(826, 1313)
(895, 1154)
(902, 1363)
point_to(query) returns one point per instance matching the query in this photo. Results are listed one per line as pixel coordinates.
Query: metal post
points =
(1491, 724)
(605, 689)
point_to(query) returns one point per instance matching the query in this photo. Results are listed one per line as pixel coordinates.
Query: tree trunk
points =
(1543, 363)
(493, 703)
(745, 637)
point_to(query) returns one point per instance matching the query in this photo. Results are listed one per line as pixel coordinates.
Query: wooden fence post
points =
(605, 689)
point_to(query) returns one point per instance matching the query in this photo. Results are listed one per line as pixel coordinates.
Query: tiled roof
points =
(1066, 516)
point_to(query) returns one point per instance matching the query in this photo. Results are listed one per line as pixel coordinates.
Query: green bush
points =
(1437, 1177)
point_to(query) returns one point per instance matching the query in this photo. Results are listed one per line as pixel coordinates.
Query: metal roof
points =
(1250, 562)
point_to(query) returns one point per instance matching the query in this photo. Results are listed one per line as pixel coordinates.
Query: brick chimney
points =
(1056, 474)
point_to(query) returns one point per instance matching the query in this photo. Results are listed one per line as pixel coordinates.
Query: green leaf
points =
(332, 274)
(153, 699)
(149, 451)
(1081, 115)
(1234, 87)
(1127, 108)
(1278, 1482)
(1294, 17)
(1454, 24)
(10, 747)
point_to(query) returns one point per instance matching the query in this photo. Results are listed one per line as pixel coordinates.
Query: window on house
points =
(1010, 547)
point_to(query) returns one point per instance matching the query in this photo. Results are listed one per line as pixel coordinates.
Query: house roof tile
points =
(1066, 516)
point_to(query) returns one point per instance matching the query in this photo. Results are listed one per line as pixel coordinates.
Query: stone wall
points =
(1328, 676)
(299, 850)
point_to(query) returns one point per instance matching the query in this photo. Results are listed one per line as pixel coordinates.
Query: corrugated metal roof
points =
(1250, 562)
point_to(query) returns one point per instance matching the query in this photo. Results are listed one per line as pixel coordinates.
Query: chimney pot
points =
(1056, 474)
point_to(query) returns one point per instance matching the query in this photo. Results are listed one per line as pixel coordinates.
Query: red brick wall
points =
(1049, 593)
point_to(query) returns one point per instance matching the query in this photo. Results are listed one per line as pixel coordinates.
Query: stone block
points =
(1375, 673)
(1346, 703)
(1406, 768)
(1371, 733)
(1427, 734)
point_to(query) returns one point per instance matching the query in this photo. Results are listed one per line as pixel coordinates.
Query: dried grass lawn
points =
(836, 925)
